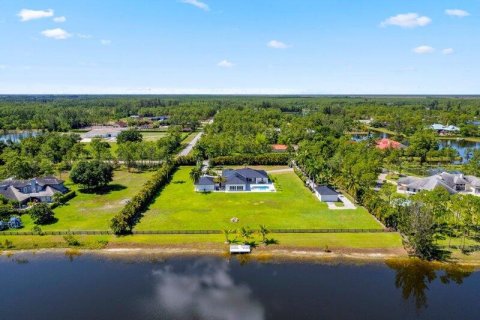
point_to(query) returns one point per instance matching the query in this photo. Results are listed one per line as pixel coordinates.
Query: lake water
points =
(90, 287)
(17, 136)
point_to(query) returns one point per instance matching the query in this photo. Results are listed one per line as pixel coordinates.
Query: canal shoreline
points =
(278, 255)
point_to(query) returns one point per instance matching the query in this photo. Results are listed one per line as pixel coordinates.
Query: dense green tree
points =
(92, 174)
(130, 135)
(41, 213)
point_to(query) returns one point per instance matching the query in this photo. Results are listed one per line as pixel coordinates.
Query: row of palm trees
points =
(247, 235)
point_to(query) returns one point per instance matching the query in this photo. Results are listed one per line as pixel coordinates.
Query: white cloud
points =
(275, 44)
(423, 49)
(407, 20)
(59, 19)
(225, 64)
(27, 14)
(198, 4)
(457, 13)
(448, 51)
(105, 42)
(57, 34)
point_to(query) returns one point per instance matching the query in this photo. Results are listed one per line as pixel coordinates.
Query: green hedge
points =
(63, 199)
(267, 159)
(125, 220)
(186, 161)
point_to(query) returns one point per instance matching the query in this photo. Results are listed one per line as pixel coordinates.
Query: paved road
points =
(190, 146)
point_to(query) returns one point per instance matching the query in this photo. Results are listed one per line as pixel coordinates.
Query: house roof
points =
(389, 144)
(235, 179)
(11, 188)
(279, 147)
(252, 173)
(326, 191)
(205, 181)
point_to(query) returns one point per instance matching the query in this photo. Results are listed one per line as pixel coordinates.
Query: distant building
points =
(385, 143)
(279, 148)
(37, 189)
(104, 132)
(441, 129)
(453, 183)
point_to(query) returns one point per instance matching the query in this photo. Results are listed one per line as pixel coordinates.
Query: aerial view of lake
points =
(17, 136)
(91, 287)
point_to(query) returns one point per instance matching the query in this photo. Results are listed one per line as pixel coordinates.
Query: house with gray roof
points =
(245, 179)
(452, 182)
(36, 189)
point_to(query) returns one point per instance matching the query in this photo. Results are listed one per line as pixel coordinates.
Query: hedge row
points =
(125, 220)
(263, 159)
(186, 161)
(63, 199)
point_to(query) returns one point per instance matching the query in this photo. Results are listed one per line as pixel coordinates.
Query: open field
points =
(94, 211)
(153, 135)
(179, 207)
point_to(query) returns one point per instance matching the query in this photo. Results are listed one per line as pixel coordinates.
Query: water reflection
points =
(413, 277)
(204, 290)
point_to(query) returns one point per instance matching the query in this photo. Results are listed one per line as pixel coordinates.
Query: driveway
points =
(347, 204)
(190, 146)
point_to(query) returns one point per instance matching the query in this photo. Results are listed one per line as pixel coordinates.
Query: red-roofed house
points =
(279, 147)
(385, 143)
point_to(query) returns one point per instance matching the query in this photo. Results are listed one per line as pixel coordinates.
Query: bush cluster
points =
(263, 159)
(125, 220)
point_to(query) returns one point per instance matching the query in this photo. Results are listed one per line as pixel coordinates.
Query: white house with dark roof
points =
(452, 182)
(37, 189)
(245, 179)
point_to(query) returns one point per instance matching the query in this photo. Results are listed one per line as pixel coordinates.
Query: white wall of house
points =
(204, 188)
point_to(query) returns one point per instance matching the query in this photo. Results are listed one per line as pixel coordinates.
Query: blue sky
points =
(239, 46)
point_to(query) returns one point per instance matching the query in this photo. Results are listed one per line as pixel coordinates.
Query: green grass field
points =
(94, 211)
(293, 206)
(153, 136)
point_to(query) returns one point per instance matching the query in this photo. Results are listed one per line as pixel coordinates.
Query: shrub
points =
(126, 219)
(71, 240)
(37, 231)
(41, 213)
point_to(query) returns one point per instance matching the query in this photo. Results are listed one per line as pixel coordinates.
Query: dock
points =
(238, 248)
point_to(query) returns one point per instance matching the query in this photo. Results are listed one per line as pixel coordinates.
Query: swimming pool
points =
(262, 188)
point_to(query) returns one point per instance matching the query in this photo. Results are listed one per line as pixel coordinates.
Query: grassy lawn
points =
(319, 241)
(94, 211)
(152, 136)
(292, 206)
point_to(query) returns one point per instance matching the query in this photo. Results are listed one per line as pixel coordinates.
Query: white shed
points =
(325, 194)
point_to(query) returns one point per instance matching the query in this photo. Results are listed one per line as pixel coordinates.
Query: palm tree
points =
(195, 174)
(245, 233)
(227, 233)
(220, 180)
(263, 232)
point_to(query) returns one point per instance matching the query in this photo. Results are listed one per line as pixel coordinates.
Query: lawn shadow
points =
(104, 190)
(179, 182)
(270, 241)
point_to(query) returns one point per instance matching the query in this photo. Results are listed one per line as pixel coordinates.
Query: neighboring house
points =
(326, 194)
(384, 144)
(104, 132)
(245, 179)
(441, 129)
(37, 189)
(453, 183)
(279, 148)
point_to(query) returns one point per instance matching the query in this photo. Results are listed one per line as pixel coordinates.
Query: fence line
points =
(186, 232)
